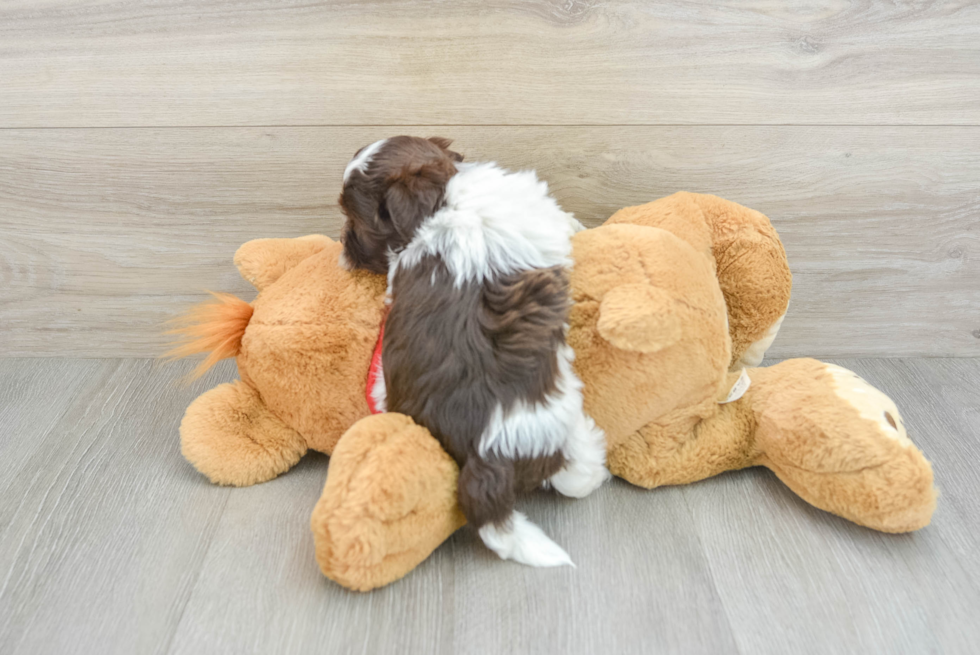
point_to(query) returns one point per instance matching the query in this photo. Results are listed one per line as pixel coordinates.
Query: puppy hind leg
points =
(487, 496)
(585, 454)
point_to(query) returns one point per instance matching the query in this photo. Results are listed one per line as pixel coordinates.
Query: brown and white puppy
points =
(474, 344)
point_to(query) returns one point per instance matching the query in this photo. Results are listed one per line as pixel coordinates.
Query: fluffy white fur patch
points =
(585, 460)
(559, 423)
(537, 429)
(522, 541)
(494, 223)
(379, 392)
(363, 158)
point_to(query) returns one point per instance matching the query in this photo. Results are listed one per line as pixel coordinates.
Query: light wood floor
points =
(111, 543)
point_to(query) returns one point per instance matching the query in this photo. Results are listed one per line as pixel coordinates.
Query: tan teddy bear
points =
(671, 300)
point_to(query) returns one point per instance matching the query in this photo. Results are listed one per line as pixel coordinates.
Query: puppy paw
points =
(578, 479)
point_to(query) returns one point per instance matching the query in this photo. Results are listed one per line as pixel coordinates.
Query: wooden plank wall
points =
(142, 142)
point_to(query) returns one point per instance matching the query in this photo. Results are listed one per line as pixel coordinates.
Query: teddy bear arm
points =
(388, 502)
(230, 436)
(263, 261)
(753, 273)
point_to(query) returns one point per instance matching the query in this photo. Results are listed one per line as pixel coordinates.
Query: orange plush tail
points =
(215, 327)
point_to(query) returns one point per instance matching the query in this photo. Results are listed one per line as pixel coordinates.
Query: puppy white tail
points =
(522, 541)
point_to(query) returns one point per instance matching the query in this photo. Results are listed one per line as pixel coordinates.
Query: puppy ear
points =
(359, 200)
(363, 237)
(415, 193)
(444, 144)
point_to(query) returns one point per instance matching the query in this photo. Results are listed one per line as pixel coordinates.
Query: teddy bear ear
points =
(263, 261)
(640, 318)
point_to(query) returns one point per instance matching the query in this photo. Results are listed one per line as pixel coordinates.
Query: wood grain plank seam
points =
(80, 394)
(707, 563)
(197, 576)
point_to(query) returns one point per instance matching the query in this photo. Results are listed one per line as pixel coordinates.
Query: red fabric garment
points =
(375, 370)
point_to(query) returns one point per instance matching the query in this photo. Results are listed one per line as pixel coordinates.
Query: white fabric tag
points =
(738, 389)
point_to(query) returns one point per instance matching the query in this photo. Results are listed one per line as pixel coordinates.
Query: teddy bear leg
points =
(685, 451)
(388, 502)
(230, 436)
(840, 444)
(585, 461)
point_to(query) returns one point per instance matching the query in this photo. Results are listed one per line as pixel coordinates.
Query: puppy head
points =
(390, 187)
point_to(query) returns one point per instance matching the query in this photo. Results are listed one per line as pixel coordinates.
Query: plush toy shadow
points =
(672, 300)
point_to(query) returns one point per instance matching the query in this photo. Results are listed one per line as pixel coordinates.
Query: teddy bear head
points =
(308, 345)
(648, 325)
